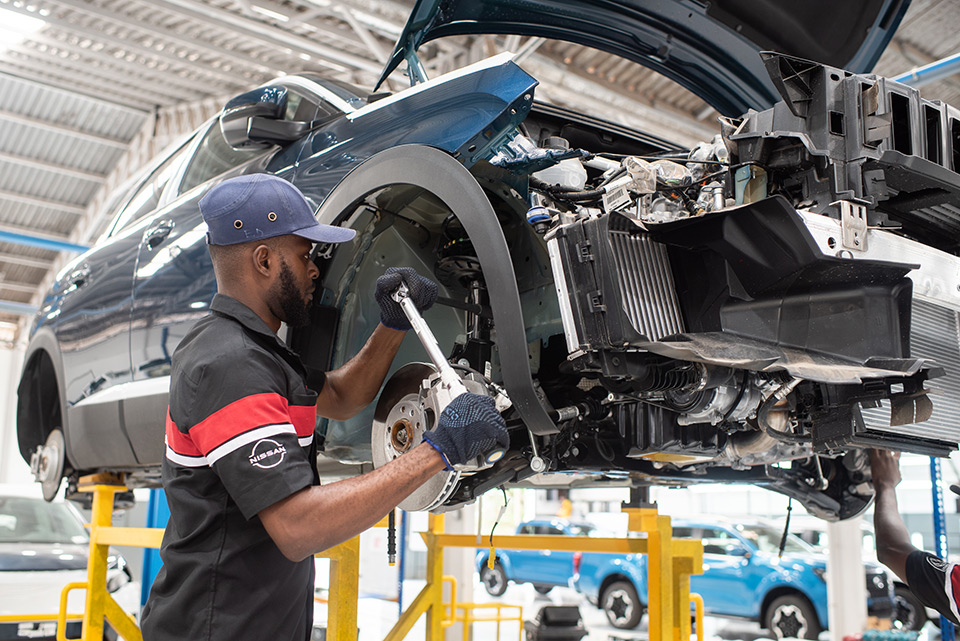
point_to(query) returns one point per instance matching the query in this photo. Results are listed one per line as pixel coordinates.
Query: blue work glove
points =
(469, 426)
(422, 291)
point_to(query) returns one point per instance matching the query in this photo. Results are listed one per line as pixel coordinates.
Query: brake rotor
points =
(399, 421)
(50, 465)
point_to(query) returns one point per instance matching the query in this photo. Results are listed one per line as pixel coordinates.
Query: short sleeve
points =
(935, 582)
(247, 431)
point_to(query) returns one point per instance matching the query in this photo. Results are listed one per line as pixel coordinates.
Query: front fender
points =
(447, 179)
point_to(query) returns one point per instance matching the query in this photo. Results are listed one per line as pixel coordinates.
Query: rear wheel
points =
(908, 612)
(622, 605)
(494, 579)
(792, 617)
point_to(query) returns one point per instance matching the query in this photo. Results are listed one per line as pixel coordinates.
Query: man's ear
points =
(262, 260)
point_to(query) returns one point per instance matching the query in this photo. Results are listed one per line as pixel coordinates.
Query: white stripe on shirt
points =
(246, 438)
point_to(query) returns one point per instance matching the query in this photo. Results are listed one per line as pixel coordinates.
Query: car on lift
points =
(744, 575)
(756, 309)
(544, 569)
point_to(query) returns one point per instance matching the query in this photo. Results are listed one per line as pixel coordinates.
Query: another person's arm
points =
(893, 539)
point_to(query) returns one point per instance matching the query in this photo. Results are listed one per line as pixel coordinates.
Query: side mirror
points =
(738, 550)
(254, 120)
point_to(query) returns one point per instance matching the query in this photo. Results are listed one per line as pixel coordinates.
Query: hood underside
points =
(711, 48)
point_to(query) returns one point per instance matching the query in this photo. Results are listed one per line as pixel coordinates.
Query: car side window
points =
(683, 533)
(527, 529)
(213, 157)
(147, 195)
(717, 541)
(549, 530)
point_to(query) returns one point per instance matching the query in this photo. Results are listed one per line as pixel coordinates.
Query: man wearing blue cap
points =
(934, 581)
(247, 511)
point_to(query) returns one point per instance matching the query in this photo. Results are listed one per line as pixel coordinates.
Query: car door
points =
(173, 282)
(725, 563)
(94, 306)
(553, 567)
(525, 564)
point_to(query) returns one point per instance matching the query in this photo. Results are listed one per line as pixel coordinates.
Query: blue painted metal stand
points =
(940, 533)
(157, 515)
(404, 532)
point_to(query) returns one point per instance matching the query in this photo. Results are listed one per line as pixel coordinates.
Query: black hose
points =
(764, 413)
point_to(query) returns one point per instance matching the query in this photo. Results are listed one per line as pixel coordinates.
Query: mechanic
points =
(247, 512)
(934, 581)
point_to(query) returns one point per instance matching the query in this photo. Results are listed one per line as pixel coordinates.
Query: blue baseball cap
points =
(259, 206)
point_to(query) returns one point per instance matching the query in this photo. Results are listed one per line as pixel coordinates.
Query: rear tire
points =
(494, 580)
(793, 617)
(622, 605)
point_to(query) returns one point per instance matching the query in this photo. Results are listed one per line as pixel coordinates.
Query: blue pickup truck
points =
(743, 576)
(545, 569)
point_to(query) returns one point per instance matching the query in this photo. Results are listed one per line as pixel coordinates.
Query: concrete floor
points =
(377, 616)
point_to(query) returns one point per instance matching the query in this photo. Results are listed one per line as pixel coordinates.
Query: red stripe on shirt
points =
(955, 585)
(304, 419)
(238, 417)
(178, 441)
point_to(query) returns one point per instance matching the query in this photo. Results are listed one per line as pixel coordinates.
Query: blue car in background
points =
(545, 569)
(743, 576)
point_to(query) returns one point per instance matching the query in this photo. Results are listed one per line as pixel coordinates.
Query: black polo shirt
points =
(935, 582)
(240, 437)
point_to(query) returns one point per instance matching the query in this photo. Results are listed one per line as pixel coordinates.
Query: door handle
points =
(156, 234)
(79, 276)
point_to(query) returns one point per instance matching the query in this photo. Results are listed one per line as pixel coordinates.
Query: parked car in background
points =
(735, 310)
(908, 612)
(545, 569)
(743, 576)
(43, 547)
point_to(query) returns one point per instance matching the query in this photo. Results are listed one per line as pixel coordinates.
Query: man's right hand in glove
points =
(470, 426)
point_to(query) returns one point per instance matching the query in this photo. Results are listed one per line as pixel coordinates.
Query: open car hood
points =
(711, 48)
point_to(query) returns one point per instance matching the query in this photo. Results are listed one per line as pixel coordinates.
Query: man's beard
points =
(293, 310)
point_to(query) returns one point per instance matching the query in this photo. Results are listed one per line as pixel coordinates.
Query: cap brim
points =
(326, 233)
(955, 489)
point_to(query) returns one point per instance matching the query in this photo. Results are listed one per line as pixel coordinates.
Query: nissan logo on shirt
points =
(267, 453)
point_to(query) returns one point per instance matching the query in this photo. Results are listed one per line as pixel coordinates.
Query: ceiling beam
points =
(23, 288)
(67, 208)
(52, 167)
(100, 35)
(63, 129)
(140, 75)
(25, 261)
(265, 33)
(17, 308)
(32, 238)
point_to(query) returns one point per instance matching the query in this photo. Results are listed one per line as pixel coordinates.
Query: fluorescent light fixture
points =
(263, 11)
(15, 27)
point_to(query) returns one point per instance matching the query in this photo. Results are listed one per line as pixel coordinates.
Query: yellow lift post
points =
(670, 562)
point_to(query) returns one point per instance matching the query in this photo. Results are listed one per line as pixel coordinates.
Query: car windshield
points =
(26, 520)
(767, 539)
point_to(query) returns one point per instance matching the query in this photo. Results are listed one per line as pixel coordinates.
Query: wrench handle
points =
(448, 377)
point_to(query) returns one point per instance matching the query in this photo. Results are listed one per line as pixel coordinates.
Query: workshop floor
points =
(377, 616)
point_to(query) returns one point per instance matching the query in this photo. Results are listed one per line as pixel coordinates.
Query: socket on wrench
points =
(450, 384)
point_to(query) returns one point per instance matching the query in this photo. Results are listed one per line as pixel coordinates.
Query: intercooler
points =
(615, 285)
(934, 334)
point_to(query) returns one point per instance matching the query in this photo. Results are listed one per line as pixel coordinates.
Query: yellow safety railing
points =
(468, 617)
(670, 562)
(697, 601)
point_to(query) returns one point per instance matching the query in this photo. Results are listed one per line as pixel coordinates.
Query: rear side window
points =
(212, 158)
(147, 196)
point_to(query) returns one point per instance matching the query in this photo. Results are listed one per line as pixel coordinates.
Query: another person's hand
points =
(469, 427)
(422, 291)
(885, 468)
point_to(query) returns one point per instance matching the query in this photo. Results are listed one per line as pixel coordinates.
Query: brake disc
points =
(399, 421)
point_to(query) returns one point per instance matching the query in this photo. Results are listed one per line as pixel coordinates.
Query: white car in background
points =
(43, 547)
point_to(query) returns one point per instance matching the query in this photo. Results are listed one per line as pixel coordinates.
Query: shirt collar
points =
(232, 308)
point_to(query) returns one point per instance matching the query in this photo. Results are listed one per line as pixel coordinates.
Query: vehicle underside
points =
(757, 309)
